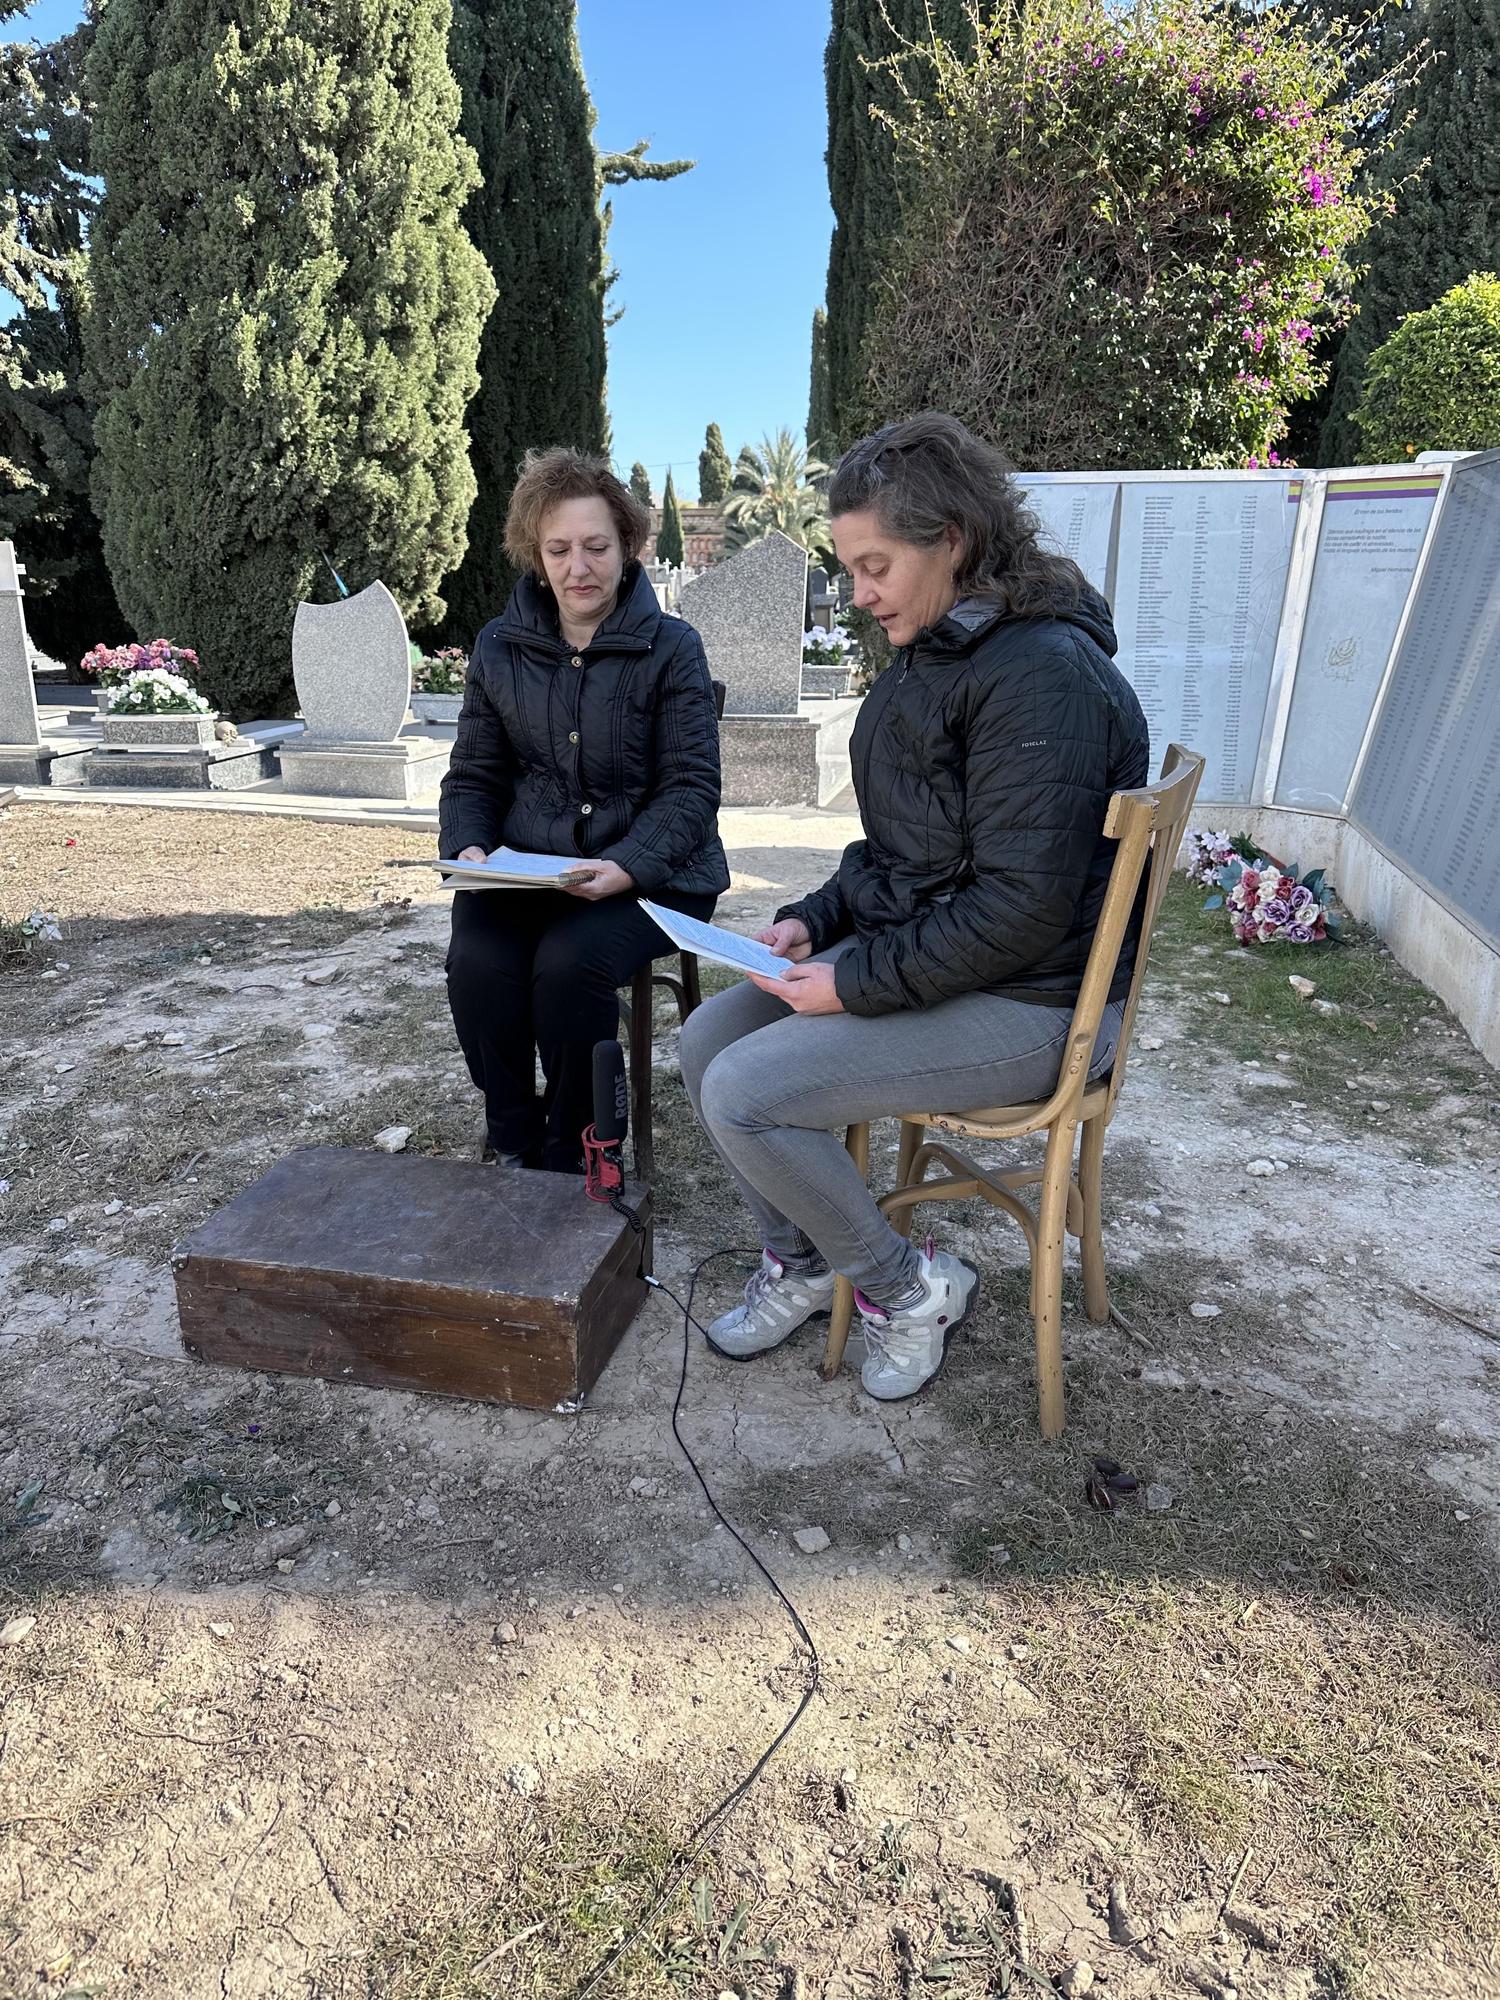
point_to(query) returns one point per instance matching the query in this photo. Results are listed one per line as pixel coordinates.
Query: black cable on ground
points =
(714, 1819)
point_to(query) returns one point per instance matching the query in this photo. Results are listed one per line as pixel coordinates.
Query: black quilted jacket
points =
(612, 753)
(984, 758)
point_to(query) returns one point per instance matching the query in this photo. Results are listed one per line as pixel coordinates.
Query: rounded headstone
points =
(352, 665)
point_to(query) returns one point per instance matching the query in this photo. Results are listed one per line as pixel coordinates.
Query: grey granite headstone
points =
(19, 727)
(352, 665)
(748, 610)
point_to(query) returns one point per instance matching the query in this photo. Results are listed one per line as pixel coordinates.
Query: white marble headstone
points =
(352, 665)
(18, 717)
(748, 610)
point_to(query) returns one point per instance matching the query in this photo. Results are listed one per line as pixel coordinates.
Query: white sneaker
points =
(904, 1350)
(777, 1301)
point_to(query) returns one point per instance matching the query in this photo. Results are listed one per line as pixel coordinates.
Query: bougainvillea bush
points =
(1123, 232)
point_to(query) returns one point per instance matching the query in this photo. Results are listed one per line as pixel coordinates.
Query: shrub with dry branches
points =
(1122, 232)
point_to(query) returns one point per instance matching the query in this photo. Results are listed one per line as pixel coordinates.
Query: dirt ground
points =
(333, 1692)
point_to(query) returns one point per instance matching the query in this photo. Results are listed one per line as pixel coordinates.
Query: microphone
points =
(611, 1103)
(604, 1167)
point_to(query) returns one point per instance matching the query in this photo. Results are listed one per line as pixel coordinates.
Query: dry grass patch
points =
(1295, 1656)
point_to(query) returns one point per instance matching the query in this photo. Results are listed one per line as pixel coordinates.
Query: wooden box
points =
(412, 1273)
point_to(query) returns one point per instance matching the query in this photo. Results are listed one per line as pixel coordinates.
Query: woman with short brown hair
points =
(588, 730)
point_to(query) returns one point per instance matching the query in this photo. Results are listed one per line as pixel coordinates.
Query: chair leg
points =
(841, 1315)
(1047, 1276)
(912, 1136)
(840, 1319)
(692, 986)
(1091, 1243)
(640, 1076)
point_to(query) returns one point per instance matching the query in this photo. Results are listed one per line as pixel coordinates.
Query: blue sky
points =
(720, 270)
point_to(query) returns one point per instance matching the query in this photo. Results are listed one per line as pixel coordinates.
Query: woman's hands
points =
(806, 989)
(593, 881)
(788, 939)
(597, 879)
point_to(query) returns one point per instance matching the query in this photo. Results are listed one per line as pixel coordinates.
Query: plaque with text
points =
(1368, 544)
(1430, 788)
(1076, 517)
(1201, 576)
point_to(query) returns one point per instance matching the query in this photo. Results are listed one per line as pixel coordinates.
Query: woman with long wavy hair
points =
(941, 962)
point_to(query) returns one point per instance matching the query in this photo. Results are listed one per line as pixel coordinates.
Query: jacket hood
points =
(631, 627)
(973, 618)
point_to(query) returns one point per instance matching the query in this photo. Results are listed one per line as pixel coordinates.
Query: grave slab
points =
(409, 769)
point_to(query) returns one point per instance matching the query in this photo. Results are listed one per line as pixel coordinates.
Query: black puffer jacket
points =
(984, 758)
(612, 753)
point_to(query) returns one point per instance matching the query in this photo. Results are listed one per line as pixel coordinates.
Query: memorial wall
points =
(1369, 539)
(1428, 792)
(1195, 565)
(1269, 665)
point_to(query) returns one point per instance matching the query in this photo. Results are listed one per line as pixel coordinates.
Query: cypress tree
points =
(1446, 222)
(46, 421)
(819, 424)
(285, 317)
(862, 177)
(535, 220)
(714, 468)
(670, 547)
(640, 484)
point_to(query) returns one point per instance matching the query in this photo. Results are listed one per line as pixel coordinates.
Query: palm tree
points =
(778, 486)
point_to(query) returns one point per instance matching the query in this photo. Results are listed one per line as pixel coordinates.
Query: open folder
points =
(508, 868)
(720, 947)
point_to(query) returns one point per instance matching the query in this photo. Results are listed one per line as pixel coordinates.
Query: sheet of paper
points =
(719, 946)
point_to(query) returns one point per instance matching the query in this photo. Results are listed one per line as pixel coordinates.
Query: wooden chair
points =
(688, 993)
(1148, 825)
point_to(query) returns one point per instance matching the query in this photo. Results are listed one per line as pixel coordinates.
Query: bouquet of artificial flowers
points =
(110, 665)
(1207, 854)
(1268, 904)
(154, 691)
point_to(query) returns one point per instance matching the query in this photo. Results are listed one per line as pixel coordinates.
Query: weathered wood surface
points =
(413, 1273)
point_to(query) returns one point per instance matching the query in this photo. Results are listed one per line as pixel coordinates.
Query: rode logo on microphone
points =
(604, 1165)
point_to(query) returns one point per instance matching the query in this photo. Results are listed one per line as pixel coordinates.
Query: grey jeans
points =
(774, 1090)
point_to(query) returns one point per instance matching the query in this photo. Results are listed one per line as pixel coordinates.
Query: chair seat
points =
(1008, 1121)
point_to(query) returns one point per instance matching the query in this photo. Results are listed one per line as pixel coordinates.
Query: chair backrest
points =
(1148, 825)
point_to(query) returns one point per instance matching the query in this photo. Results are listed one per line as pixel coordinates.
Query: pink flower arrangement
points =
(110, 665)
(1268, 905)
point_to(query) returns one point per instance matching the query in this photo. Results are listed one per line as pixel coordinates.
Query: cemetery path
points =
(335, 1692)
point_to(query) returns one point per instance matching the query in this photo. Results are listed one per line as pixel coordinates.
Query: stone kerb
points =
(748, 610)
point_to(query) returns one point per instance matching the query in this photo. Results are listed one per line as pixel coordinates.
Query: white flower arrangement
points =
(154, 691)
(827, 649)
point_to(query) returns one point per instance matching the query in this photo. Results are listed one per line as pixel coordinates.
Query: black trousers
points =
(532, 971)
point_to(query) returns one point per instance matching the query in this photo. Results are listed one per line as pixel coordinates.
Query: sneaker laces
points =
(761, 1281)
